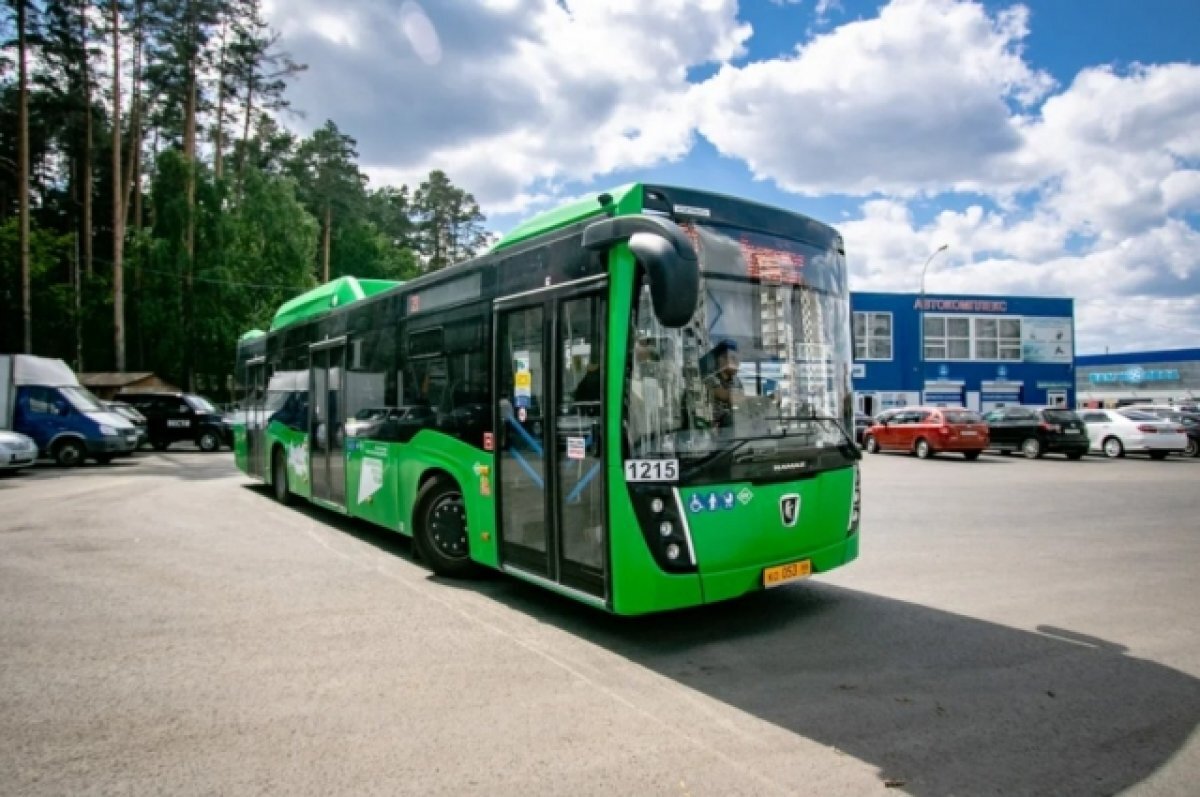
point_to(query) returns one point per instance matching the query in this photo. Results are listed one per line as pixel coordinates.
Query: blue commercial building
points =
(978, 352)
(1162, 377)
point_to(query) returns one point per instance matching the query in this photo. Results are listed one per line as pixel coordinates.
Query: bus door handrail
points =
(520, 458)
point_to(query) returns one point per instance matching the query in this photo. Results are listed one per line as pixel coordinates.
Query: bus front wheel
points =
(441, 528)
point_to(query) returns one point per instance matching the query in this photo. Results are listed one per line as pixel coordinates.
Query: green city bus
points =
(639, 400)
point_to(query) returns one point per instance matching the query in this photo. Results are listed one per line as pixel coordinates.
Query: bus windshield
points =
(764, 358)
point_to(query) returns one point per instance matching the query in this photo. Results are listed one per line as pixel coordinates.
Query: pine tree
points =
(330, 183)
(449, 222)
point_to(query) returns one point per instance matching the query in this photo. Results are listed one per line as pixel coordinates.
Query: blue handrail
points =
(534, 476)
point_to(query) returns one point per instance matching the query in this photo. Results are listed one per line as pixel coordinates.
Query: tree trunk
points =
(86, 190)
(218, 134)
(189, 154)
(77, 321)
(242, 156)
(118, 195)
(325, 243)
(134, 158)
(23, 178)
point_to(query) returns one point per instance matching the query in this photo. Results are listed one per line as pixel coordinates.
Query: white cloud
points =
(915, 99)
(521, 93)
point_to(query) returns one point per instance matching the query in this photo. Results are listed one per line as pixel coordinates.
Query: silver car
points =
(16, 451)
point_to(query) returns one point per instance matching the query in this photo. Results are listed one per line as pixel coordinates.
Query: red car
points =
(927, 431)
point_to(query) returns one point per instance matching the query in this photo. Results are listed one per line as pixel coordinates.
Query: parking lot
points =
(1012, 627)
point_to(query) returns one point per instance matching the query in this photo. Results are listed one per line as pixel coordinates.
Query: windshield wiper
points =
(847, 441)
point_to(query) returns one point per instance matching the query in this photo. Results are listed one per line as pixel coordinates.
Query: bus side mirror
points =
(666, 253)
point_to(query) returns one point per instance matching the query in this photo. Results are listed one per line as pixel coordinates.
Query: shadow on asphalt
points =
(947, 704)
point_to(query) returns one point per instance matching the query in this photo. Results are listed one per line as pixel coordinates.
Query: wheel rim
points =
(872, 446)
(448, 526)
(1192, 447)
(1031, 448)
(208, 442)
(69, 455)
(922, 449)
(1112, 448)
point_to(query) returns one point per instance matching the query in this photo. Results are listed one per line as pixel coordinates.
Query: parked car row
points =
(1032, 431)
(42, 404)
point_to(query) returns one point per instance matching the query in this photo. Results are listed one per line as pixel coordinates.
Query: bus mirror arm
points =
(667, 255)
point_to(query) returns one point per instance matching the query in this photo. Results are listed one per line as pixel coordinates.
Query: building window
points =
(997, 338)
(872, 336)
(947, 337)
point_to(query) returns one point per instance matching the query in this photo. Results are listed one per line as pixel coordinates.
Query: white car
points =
(16, 451)
(1120, 432)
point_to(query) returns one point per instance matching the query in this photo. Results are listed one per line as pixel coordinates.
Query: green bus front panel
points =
(738, 529)
(734, 545)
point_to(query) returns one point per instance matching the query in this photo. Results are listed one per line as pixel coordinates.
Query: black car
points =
(181, 417)
(1035, 431)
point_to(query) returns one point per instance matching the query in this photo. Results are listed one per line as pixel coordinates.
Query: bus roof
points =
(626, 199)
(335, 293)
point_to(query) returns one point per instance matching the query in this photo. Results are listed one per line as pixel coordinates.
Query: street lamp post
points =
(921, 324)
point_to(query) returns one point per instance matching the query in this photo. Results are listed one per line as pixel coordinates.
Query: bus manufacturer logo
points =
(789, 509)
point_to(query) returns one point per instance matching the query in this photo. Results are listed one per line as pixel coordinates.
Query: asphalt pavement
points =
(1012, 627)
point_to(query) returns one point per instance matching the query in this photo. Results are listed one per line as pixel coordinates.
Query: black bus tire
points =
(440, 528)
(279, 478)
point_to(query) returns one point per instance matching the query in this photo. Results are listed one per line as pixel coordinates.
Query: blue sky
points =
(1053, 145)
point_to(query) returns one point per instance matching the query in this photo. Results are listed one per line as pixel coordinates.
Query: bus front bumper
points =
(734, 583)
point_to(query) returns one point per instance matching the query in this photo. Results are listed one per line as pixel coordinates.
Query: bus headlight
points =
(663, 527)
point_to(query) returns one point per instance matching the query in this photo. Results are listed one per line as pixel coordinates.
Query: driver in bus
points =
(588, 389)
(724, 385)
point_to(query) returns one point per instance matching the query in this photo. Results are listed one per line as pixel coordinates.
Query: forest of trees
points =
(154, 205)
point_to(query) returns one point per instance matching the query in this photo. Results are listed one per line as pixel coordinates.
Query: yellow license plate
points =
(781, 574)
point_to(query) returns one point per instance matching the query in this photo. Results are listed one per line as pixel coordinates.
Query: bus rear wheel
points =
(279, 479)
(441, 528)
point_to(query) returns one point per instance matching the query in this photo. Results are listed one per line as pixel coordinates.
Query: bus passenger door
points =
(549, 439)
(326, 436)
(255, 416)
